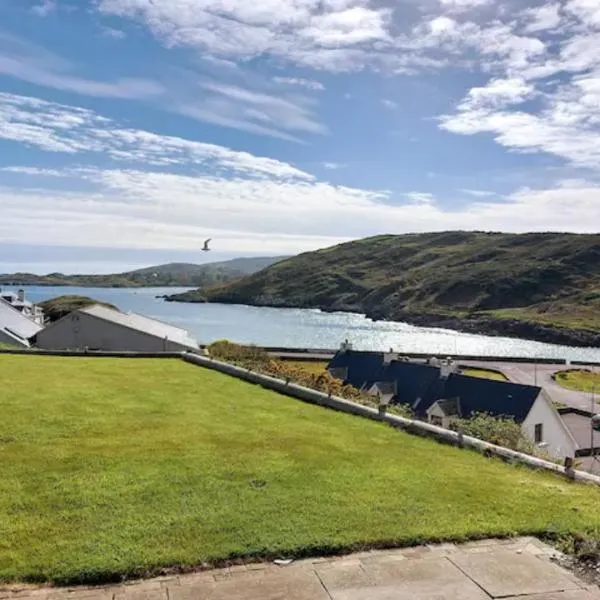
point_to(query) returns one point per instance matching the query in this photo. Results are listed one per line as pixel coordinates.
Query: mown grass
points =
(580, 380)
(484, 374)
(115, 468)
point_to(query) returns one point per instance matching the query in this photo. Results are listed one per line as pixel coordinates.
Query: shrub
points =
(501, 431)
(257, 359)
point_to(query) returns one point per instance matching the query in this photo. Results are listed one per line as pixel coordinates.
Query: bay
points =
(299, 328)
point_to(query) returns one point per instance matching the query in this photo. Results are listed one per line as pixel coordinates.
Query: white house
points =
(15, 328)
(102, 328)
(26, 308)
(528, 406)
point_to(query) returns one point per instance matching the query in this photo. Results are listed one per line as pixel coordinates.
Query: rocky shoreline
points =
(528, 330)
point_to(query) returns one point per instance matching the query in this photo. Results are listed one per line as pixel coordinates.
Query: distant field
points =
(484, 374)
(582, 381)
(115, 468)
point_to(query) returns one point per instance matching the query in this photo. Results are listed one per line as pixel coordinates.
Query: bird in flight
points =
(206, 248)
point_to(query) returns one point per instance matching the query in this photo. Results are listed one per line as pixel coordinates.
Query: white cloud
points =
(44, 8)
(389, 104)
(153, 210)
(464, 4)
(332, 35)
(420, 197)
(588, 11)
(311, 84)
(333, 166)
(60, 128)
(542, 18)
(26, 61)
(478, 193)
(116, 34)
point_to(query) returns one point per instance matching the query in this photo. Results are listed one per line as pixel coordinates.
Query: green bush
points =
(501, 431)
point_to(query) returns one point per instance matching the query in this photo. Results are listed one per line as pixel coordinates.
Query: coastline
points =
(480, 325)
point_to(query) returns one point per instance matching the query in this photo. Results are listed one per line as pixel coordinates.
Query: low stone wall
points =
(408, 425)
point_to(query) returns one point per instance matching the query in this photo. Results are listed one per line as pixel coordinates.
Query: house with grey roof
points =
(15, 328)
(101, 328)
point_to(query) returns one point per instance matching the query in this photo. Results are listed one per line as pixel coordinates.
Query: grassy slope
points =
(117, 467)
(57, 308)
(547, 278)
(582, 381)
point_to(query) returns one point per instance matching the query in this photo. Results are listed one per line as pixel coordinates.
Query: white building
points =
(101, 328)
(529, 407)
(15, 328)
(26, 308)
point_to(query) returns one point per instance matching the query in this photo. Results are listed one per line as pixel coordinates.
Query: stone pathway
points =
(520, 568)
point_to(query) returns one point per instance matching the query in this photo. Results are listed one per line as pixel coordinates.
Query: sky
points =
(132, 130)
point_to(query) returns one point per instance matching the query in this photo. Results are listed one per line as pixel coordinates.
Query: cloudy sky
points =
(130, 130)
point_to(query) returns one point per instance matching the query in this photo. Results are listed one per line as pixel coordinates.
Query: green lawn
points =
(113, 468)
(580, 380)
(484, 374)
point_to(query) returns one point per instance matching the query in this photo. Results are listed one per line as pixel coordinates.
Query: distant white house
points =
(101, 328)
(15, 328)
(534, 413)
(26, 308)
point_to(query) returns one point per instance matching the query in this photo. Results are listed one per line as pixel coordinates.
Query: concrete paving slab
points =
(435, 579)
(288, 585)
(343, 576)
(142, 591)
(579, 595)
(503, 574)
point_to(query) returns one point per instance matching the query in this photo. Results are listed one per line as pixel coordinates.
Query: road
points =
(541, 375)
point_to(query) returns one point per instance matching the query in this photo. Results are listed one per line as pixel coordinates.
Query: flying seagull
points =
(206, 248)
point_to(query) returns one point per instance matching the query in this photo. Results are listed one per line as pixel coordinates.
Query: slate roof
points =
(141, 323)
(497, 398)
(15, 323)
(413, 380)
(363, 367)
(419, 386)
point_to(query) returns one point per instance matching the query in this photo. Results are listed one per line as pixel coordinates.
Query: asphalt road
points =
(541, 375)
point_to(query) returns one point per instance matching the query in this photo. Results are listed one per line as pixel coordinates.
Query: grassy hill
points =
(538, 285)
(57, 308)
(172, 274)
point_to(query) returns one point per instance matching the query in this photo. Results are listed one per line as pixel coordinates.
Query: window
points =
(539, 433)
(435, 420)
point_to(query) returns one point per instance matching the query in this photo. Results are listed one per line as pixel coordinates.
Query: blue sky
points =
(130, 130)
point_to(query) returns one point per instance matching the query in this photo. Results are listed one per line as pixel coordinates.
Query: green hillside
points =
(536, 285)
(172, 274)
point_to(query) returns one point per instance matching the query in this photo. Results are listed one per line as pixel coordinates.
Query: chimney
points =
(21, 295)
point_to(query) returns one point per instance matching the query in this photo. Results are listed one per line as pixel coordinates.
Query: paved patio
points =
(477, 571)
